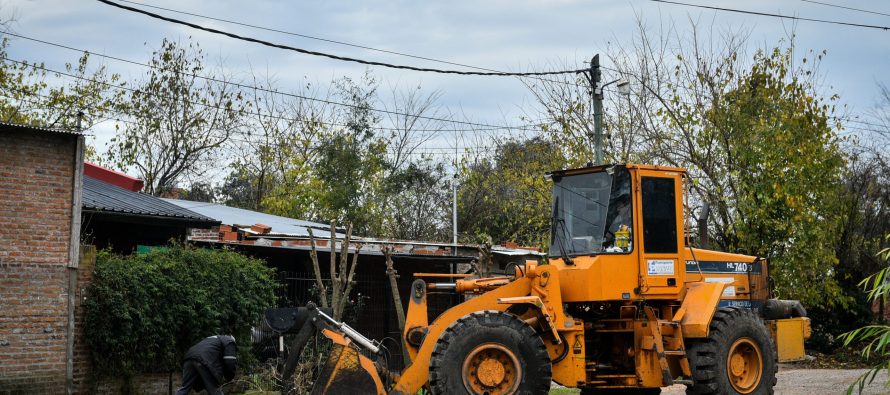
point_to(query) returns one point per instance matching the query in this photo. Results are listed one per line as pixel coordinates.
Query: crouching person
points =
(209, 364)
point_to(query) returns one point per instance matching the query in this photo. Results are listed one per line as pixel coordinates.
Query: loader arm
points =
(416, 375)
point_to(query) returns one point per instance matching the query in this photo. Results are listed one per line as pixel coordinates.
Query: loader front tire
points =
(738, 357)
(489, 352)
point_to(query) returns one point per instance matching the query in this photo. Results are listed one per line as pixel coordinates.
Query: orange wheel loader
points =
(623, 305)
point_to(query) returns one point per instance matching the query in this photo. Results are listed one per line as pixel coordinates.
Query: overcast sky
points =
(505, 35)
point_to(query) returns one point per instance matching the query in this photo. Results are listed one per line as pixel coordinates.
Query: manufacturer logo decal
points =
(659, 267)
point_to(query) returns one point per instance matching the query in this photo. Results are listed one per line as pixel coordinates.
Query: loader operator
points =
(207, 364)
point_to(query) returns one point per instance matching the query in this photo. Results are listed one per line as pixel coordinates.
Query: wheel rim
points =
(744, 365)
(491, 369)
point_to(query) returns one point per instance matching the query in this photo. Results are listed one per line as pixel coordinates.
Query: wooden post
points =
(349, 282)
(342, 274)
(335, 280)
(397, 300)
(313, 254)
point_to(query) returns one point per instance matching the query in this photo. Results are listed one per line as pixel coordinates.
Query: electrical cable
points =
(523, 127)
(845, 7)
(420, 151)
(386, 51)
(885, 28)
(336, 57)
(243, 112)
(331, 102)
(272, 91)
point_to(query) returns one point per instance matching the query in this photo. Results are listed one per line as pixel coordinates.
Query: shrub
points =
(142, 312)
(875, 339)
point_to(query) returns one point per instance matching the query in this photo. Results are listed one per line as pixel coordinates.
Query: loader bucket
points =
(346, 372)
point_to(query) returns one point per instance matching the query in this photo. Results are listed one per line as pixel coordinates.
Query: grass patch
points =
(564, 391)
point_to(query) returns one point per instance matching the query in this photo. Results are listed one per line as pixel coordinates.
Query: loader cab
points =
(618, 229)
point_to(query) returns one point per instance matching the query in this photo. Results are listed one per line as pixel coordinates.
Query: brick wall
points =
(146, 383)
(36, 170)
(83, 379)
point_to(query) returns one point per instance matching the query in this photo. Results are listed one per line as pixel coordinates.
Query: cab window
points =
(659, 215)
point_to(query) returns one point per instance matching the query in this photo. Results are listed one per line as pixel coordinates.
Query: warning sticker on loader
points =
(729, 290)
(661, 267)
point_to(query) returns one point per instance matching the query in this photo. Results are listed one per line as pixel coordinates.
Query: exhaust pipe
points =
(703, 240)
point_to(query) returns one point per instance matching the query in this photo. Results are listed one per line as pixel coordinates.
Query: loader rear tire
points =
(738, 357)
(489, 352)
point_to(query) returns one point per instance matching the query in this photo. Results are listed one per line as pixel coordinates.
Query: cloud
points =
(503, 35)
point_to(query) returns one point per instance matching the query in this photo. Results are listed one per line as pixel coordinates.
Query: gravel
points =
(812, 382)
(793, 381)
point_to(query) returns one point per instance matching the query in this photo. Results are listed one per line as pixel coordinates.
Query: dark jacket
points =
(217, 353)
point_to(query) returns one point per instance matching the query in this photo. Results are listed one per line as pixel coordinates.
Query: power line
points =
(845, 7)
(117, 112)
(311, 37)
(271, 116)
(386, 51)
(477, 126)
(260, 114)
(885, 28)
(336, 57)
(689, 89)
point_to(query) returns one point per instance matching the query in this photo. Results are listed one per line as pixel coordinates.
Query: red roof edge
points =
(112, 177)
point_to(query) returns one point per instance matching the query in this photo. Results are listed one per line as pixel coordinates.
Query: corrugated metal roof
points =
(100, 196)
(6, 125)
(236, 216)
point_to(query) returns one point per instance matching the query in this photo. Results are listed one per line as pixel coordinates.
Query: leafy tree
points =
(865, 204)
(781, 168)
(755, 130)
(180, 121)
(237, 189)
(198, 192)
(281, 139)
(340, 164)
(506, 198)
(876, 337)
(28, 94)
(418, 203)
(342, 173)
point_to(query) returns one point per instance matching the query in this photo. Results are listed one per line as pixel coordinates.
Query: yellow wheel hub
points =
(491, 369)
(744, 365)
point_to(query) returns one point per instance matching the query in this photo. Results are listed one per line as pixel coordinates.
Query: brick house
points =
(40, 178)
(49, 204)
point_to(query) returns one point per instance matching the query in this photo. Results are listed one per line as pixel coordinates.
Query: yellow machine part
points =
(789, 335)
(347, 371)
(698, 308)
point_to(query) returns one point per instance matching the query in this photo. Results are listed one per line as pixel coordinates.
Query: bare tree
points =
(279, 142)
(341, 277)
(180, 122)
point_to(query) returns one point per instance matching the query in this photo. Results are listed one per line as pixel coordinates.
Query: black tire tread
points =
(703, 358)
(490, 318)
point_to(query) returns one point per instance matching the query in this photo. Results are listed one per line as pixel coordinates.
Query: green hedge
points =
(142, 312)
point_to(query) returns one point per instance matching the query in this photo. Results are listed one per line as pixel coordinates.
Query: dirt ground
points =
(792, 381)
(796, 381)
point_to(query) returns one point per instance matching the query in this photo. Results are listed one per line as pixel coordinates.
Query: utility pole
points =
(454, 201)
(596, 94)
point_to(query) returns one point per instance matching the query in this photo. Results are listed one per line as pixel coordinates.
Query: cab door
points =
(660, 217)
